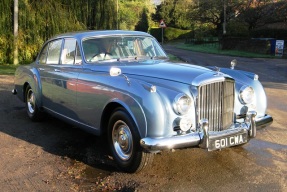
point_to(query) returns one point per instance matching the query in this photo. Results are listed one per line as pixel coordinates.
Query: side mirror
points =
(233, 63)
(114, 71)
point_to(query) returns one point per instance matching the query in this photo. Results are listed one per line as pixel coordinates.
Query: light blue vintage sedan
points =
(120, 84)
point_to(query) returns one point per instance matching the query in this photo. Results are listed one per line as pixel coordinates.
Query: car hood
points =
(156, 69)
(177, 72)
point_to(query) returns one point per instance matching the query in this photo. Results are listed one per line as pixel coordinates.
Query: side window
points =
(54, 52)
(91, 48)
(69, 51)
(43, 55)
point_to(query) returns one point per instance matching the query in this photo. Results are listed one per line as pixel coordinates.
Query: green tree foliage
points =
(38, 21)
(241, 15)
(41, 19)
(264, 12)
(175, 13)
(6, 30)
(133, 13)
(142, 24)
(212, 12)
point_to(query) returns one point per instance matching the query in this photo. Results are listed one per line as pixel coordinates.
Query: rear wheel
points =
(123, 140)
(31, 106)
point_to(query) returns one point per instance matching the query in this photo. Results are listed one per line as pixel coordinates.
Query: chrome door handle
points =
(41, 69)
(57, 70)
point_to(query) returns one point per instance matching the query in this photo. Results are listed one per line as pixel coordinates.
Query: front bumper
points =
(240, 134)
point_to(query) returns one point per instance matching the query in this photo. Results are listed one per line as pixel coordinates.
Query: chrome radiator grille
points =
(216, 103)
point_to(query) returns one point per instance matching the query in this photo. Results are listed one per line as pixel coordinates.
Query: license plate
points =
(228, 141)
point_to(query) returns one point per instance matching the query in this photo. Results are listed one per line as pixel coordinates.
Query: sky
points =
(157, 2)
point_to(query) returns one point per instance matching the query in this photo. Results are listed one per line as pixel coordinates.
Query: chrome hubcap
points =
(122, 140)
(31, 101)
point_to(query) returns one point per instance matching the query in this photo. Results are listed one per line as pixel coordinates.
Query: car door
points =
(59, 73)
(47, 65)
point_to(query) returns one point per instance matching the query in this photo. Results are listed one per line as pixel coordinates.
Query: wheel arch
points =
(135, 112)
(36, 89)
(28, 76)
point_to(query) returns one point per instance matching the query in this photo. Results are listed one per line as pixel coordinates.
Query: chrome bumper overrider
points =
(202, 139)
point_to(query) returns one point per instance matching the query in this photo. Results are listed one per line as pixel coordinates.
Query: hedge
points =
(169, 33)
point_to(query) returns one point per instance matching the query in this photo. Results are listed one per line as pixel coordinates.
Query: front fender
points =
(246, 78)
(144, 105)
(156, 99)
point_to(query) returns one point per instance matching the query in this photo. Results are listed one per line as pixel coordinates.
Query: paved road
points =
(53, 156)
(269, 70)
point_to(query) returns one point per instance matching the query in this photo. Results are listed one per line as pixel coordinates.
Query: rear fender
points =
(28, 76)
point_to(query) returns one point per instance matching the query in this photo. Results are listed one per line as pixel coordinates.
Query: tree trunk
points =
(15, 60)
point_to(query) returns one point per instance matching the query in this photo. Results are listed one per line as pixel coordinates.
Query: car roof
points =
(85, 34)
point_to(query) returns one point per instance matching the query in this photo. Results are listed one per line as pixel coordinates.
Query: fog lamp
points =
(185, 124)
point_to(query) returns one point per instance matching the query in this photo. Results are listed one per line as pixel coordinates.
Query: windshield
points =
(121, 47)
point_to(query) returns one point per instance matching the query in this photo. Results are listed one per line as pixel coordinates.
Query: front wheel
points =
(31, 106)
(123, 140)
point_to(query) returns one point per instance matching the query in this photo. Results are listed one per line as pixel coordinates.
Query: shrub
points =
(156, 32)
(173, 33)
(237, 29)
(169, 33)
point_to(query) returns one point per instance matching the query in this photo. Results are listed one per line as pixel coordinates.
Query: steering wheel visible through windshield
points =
(121, 47)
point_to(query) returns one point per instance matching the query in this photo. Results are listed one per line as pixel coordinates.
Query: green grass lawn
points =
(7, 69)
(173, 58)
(215, 49)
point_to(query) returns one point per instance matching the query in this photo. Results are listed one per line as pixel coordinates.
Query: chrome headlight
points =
(246, 95)
(182, 104)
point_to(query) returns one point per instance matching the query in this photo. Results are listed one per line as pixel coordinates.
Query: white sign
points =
(162, 24)
(279, 48)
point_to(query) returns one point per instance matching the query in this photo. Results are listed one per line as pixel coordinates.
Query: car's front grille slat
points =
(216, 103)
